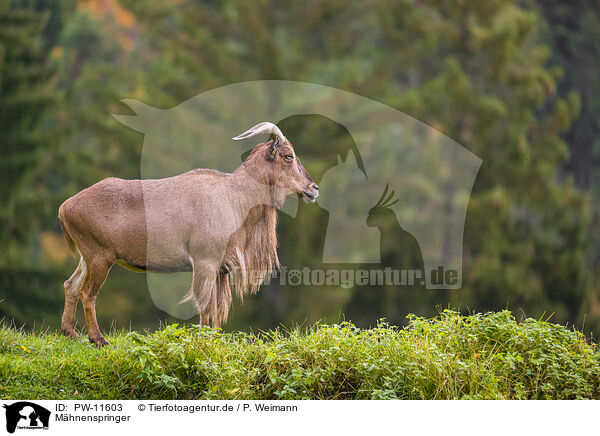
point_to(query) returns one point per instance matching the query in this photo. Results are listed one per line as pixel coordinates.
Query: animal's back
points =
(144, 223)
(95, 215)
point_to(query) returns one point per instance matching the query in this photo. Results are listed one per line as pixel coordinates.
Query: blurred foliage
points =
(26, 97)
(510, 81)
(573, 32)
(28, 140)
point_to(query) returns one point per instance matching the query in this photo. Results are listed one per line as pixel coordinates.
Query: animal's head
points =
(275, 163)
(381, 214)
(27, 412)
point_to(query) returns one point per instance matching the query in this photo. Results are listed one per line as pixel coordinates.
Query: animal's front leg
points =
(204, 290)
(204, 319)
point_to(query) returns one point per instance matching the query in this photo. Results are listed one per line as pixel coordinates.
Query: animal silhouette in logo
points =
(26, 414)
(400, 254)
(398, 248)
(432, 174)
(345, 196)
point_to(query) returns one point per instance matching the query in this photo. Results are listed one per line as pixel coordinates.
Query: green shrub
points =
(484, 356)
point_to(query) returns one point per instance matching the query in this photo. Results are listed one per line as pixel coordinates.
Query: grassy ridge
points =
(449, 357)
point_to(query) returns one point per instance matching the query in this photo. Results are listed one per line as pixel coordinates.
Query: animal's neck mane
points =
(251, 256)
(252, 249)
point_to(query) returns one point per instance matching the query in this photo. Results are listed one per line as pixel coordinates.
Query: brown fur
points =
(220, 226)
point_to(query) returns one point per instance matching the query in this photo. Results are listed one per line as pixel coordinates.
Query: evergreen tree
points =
(478, 72)
(573, 32)
(26, 142)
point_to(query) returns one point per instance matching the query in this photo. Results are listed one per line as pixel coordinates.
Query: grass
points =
(481, 356)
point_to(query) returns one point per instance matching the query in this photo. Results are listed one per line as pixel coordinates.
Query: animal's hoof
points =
(99, 341)
(70, 333)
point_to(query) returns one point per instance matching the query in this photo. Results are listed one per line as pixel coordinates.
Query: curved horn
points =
(266, 127)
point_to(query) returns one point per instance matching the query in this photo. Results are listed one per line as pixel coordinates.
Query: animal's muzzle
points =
(311, 193)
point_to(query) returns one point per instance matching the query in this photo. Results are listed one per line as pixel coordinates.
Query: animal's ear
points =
(273, 148)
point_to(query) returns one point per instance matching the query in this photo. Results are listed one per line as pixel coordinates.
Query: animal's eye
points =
(289, 157)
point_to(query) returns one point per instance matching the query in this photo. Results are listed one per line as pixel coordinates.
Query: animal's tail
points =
(61, 217)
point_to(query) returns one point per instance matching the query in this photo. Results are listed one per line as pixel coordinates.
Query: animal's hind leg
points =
(96, 273)
(72, 286)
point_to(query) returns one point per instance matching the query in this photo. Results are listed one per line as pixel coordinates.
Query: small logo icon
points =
(26, 415)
